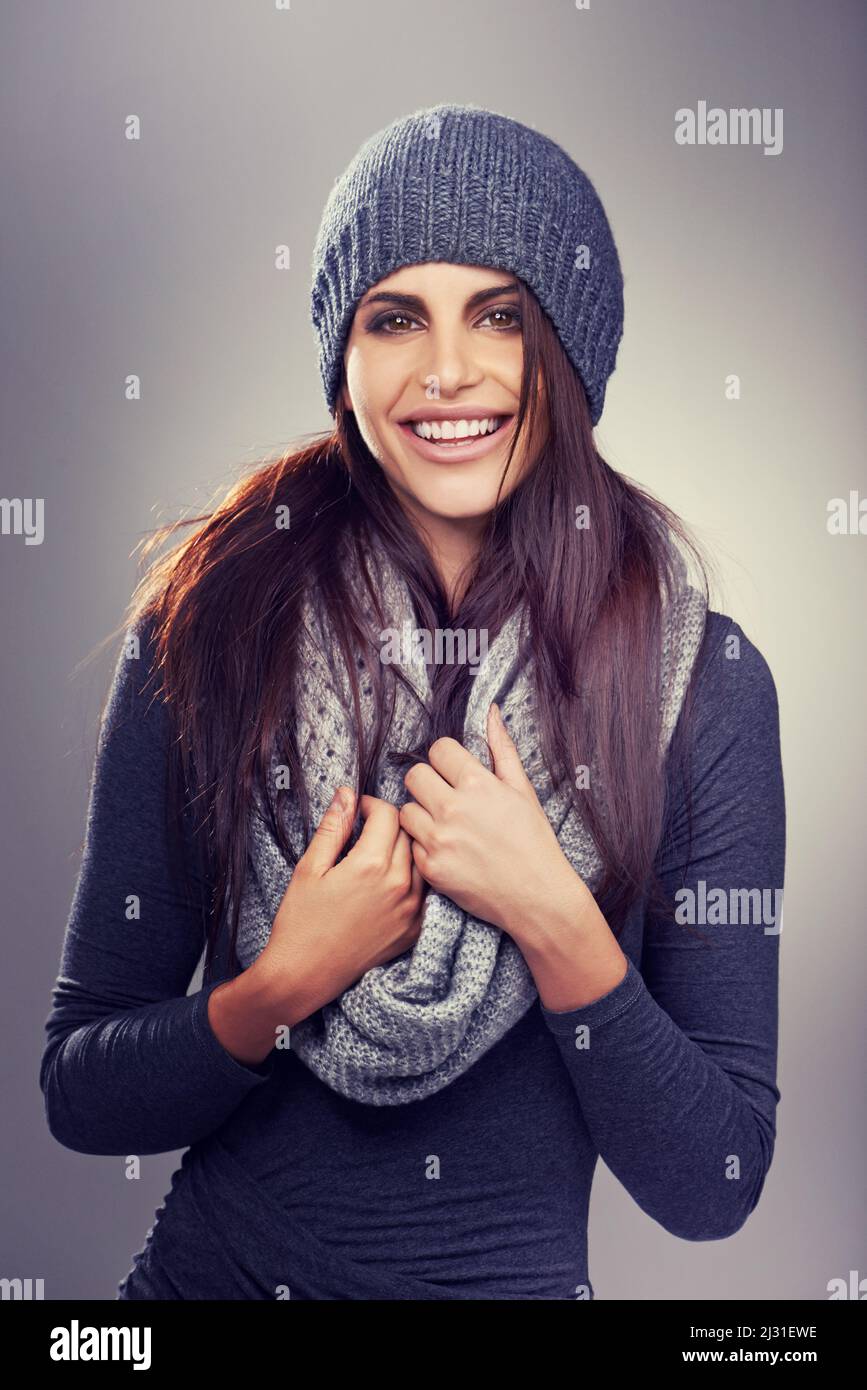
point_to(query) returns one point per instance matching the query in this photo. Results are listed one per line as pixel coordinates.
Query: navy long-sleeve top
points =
(289, 1190)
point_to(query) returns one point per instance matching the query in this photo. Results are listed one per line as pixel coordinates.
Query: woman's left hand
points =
(481, 837)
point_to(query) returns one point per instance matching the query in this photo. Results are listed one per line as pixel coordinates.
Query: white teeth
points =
(455, 429)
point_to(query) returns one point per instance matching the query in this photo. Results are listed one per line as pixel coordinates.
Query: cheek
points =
(369, 376)
(372, 367)
(360, 376)
(504, 362)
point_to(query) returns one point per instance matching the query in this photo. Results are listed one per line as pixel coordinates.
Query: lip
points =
(468, 411)
(457, 453)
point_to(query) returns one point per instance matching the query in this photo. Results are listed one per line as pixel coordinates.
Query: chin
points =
(455, 505)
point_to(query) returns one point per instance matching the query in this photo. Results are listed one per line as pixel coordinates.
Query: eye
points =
(383, 323)
(504, 311)
(394, 315)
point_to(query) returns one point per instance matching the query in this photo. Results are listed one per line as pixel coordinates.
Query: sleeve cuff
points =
(243, 1074)
(602, 1010)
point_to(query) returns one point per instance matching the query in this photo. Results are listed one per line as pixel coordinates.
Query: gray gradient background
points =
(157, 258)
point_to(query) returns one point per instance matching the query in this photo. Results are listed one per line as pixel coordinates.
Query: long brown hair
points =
(223, 608)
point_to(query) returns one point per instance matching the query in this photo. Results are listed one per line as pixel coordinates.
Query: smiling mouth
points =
(455, 434)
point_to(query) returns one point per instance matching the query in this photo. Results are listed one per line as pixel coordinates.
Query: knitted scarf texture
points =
(408, 1028)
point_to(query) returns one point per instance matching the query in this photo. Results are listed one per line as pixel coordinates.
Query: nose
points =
(449, 361)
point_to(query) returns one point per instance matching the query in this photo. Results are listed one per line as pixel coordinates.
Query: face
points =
(433, 373)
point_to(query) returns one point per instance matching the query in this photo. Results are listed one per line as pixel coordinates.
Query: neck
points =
(453, 546)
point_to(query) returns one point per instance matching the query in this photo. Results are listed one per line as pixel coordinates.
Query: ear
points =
(347, 399)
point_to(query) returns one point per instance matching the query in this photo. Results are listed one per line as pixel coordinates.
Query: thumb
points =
(331, 833)
(507, 761)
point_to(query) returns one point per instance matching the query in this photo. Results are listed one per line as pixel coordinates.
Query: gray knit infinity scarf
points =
(409, 1027)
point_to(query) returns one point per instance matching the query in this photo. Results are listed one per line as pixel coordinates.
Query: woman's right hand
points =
(337, 920)
(334, 922)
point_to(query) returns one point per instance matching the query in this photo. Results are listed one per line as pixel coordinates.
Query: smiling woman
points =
(442, 972)
(436, 379)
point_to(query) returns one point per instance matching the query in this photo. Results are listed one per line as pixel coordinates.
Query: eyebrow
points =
(416, 303)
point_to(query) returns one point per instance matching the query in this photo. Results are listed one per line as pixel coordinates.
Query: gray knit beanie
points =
(471, 186)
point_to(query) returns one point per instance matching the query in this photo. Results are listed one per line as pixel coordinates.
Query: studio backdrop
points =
(165, 168)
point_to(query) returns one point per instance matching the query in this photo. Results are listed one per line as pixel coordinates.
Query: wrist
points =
(247, 1013)
(572, 953)
(280, 991)
(549, 910)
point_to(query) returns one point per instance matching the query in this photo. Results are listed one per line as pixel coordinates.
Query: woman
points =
(428, 1008)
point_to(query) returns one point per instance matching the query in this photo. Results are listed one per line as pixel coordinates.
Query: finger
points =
(330, 835)
(402, 857)
(419, 882)
(428, 788)
(507, 760)
(417, 822)
(450, 758)
(380, 830)
(421, 858)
